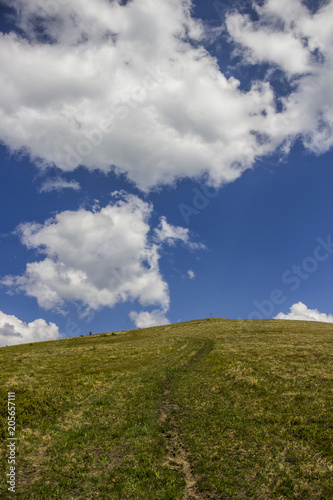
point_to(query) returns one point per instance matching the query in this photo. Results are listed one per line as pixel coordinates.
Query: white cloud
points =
(132, 88)
(267, 44)
(169, 234)
(146, 319)
(128, 86)
(300, 312)
(191, 274)
(59, 184)
(287, 35)
(14, 331)
(98, 258)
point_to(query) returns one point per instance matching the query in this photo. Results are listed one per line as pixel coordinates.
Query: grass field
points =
(209, 409)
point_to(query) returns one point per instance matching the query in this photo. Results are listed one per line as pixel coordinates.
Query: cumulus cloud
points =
(300, 312)
(130, 87)
(265, 43)
(146, 319)
(59, 184)
(288, 36)
(97, 257)
(14, 331)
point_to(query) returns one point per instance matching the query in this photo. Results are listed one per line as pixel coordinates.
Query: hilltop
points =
(207, 409)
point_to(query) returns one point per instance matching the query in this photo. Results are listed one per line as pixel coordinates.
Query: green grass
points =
(214, 408)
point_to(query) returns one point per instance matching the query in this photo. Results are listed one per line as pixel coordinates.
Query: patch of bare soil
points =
(177, 457)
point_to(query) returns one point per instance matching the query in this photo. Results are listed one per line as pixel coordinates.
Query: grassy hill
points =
(209, 409)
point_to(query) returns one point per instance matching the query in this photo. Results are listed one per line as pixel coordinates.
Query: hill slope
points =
(211, 408)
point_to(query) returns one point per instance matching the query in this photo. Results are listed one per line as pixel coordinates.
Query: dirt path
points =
(177, 455)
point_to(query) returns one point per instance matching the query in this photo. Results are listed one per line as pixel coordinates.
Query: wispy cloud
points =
(59, 184)
(169, 234)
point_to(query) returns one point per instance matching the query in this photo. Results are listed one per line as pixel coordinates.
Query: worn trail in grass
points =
(209, 409)
(178, 456)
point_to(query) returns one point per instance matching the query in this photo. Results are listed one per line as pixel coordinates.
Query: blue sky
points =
(161, 162)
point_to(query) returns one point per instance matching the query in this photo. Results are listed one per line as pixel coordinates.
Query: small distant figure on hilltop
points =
(90, 333)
